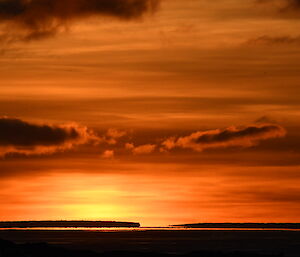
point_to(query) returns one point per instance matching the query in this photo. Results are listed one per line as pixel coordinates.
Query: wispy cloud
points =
(108, 154)
(142, 149)
(274, 40)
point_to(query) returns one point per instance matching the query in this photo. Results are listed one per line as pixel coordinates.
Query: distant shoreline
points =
(241, 225)
(68, 224)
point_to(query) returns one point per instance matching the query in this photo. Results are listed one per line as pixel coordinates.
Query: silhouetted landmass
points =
(9, 249)
(68, 224)
(242, 225)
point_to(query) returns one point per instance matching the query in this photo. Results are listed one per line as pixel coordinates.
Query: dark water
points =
(166, 240)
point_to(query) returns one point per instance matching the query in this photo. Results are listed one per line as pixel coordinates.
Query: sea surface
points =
(170, 228)
(163, 239)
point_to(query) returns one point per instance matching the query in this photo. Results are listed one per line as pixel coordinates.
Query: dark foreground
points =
(9, 249)
(149, 243)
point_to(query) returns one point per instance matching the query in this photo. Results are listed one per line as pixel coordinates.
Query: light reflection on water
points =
(151, 229)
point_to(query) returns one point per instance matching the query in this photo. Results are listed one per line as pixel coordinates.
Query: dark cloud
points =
(285, 8)
(229, 137)
(292, 4)
(230, 134)
(35, 19)
(21, 137)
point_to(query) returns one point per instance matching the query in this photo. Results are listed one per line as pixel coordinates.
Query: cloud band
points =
(229, 137)
(21, 137)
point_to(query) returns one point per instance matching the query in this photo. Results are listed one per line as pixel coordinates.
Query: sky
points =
(155, 111)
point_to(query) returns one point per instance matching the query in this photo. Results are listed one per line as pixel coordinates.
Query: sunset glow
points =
(158, 112)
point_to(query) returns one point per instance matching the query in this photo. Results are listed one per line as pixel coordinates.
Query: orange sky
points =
(175, 111)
